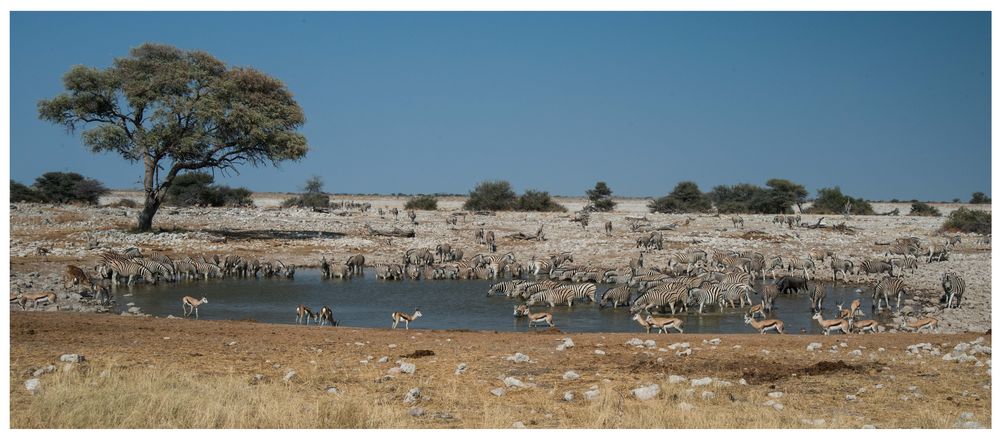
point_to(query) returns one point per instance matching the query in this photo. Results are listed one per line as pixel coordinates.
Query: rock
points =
(518, 425)
(684, 406)
(498, 392)
(675, 379)
(412, 396)
(591, 394)
(511, 381)
(868, 426)
(41, 371)
(393, 371)
(408, 368)
(852, 397)
(646, 393)
(571, 375)
(599, 352)
(72, 358)
(714, 341)
(383, 360)
(684, 353)
(971, 425)
(416, 411)
(906, 310)
(566, 344)
(674, 346)
(332, 390)
(743, 381)
(568, 396)
(775, 394)
(814, 346)
(634, 342)
(968, 415)
(649, 343)
(778, 406)
(231, 343)
(462, 367)
(518, 358)
(288, 376)
(706, 395)
(699, 382)
(33, 385)
(721, 383)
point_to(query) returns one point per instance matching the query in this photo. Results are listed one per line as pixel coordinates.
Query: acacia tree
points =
(178, 111)
(600, 197)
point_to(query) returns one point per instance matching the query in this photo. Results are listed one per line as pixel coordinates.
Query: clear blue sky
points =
(882, 104)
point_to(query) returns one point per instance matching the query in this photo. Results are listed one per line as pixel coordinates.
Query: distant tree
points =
(426, 203)
(788, 193)
(739, 198)
(686, 197)
(60, 187)
(491, 196)
(176, 111)
(198, 189)
(23, 193)
(832, 201)
(600, 197)
(979, 197)
(923, 209)
(533, 200)
(312, 196)
(969, 220)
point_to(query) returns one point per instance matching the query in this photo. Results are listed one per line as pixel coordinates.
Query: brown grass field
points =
(174, 373)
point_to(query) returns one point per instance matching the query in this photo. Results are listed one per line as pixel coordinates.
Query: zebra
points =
(129, 269)
(388, 271)
(820, 254)
(207, 269)
(552, 297)
(904, 247)
(667, 295)
(805, 265)
(356, 264)
(888, 287)
(733, 293)
(443, 251)
(869, 266)
(816, 299)
(506, 287)
(583, 291)
(618, 295)
(844, 266)
(904, 263)
(607, 227)
(709, 295)
(481, 236)
(477, 273)
(157, 268)
(779, 219)
(690, 259)
(954, 287)
(558, 259)
(737, 220)
(491, 241)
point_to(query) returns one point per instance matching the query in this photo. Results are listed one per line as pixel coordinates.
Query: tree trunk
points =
(149, 209)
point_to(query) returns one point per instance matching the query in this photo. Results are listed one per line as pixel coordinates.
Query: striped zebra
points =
(888, 287)
(820, 255)
(838, 265)
(666, 295)
(816, 299)
(733, 293)
(505, 288)
(904, 247)
(793, 264)
(207, 269)
(388, 271)
(538, 266)
(904, 263)
(525, 291)
(584, 291)
(552, 297)
(954, 287)
(869, 266)
(476, 273)
(165, 260)
(618, 295)
(129, 269)
(737, 221)
(186, 269)
(710, 295)
(689, 259)
(157, 268)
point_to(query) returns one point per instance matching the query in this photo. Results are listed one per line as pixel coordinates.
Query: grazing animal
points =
(193, 304)
(618, 295)
(35, 298)
(304, 314)
(533, 318)
(888, 287)
(843, 266)
(75, 276)
(326, 316)
(832, 325)
(866, 325)
(816, 299)
(770, 293)
(930, 323)
(607, 227)
(662, 323)
(405, 318)
(954, 287)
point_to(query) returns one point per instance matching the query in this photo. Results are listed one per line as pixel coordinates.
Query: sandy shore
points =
(176, 373)
(302, 237)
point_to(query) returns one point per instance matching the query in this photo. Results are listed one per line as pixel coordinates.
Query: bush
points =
(426, 203)
(783, 194)
(533, 200)
(23, 193)
(313, 197)
(686, 197)
(979, 197)
(127, 203)
(968, 220)
(832, 201)
(491, 196)
(61, 187)
(197, 189)
(924, 210)
(600, 197)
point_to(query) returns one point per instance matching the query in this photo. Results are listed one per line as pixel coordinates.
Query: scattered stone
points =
(288, 376)
(684, 353)
(706, 395)
(646, 393)
(498, 392)
(743, 381)
(231, 343)
(41, 371)
(778, 406)
(332, 390)
(814, 422)
(855, 353)
(968, 415)
(72, 358)
(416, 411)
(591, 394)
(675, 379)
(518, 358)
(699, 382)
(721, 383)
(852, 397)
(713, 342)
(868, 426)
(634, 342)
(571, 375)
(566, 344)
(33, 385)
(518, 425)
(650, 343)
(408, 368)
(599, 352)
(775, 394)
(383, 360)
(462, 367)
(674, 346)
(511, 381)
(684, 406)
(412, 396)
(568, 396)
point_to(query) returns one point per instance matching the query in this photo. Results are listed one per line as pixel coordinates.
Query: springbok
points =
(829, 325)
(642, 322)
(326, 315)
(406, 318)
(866, 325)
(662, 323)
(304, 314)
(533, 318)
(765, 325)
(927, 322)
(188, 301)
(35, 297)
(757, 309)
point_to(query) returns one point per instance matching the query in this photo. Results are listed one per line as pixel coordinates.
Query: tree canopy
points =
(600, 197)
(686, 197)
(176, 111)
(491, 196)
